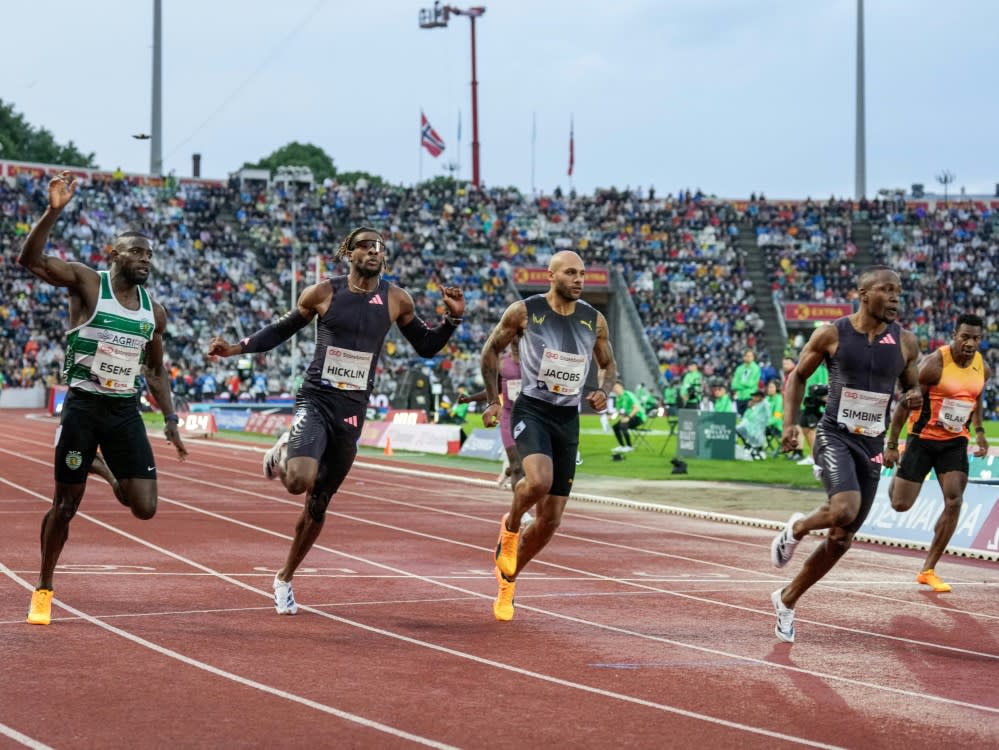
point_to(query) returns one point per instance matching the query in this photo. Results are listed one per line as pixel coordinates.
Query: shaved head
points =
(564, 258)
(871, 274)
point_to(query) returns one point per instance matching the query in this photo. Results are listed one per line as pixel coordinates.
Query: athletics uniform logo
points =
(74, 460)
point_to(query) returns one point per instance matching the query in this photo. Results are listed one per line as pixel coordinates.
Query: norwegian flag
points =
(429, 138)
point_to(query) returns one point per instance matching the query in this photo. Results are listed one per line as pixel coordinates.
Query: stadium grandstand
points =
(682, 278)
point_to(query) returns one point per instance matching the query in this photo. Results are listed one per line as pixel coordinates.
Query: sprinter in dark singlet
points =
(560, 337)
(867, 353)
(355, 313)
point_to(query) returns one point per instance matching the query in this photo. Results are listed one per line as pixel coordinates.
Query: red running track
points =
(633, 629)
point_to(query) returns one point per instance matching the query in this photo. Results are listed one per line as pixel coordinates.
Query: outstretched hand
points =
(62, 188)
(454, 298)
(219, 347)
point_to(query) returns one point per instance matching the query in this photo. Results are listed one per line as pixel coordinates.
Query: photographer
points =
(690, 387)
(812, 408)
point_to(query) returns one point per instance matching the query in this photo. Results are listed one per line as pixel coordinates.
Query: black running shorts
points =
(326, 427)
(112, 423)
(849, 463)
(942, 456)
(540, 427)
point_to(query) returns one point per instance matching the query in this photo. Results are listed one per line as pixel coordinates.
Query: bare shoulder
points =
(316, 294)
(910, 345)
(825, 338)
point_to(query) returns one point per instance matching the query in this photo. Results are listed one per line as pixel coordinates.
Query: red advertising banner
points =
(808, 312)
(596, 276)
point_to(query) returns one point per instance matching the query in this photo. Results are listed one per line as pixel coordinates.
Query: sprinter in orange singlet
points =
(952, 380)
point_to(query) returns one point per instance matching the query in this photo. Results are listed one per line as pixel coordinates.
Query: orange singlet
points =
(946, 413)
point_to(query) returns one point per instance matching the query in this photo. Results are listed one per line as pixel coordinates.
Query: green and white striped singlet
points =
(105, 354)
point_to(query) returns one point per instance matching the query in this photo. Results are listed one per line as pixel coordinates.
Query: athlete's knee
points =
(317, 505)
(143, 508)
(839, 541)
(298, 482)
(64, 511)
(900, 503)
(953, 502)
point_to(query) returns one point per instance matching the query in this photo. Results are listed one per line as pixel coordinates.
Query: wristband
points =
(453, 321)
(491, 403)
(172, 418)
(979, 428)
(891, 445)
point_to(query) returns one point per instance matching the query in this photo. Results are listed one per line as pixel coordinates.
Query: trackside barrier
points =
(197, 425)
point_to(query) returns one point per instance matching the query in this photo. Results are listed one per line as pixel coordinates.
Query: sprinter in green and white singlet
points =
(116, 334)
(105, 354)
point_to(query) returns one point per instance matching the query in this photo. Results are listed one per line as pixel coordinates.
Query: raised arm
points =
(313, 300)
(428, 341)
(32, 257)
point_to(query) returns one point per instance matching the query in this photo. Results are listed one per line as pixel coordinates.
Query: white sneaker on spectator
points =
(275, 456)
(618, 449)
(806, 461)
(284, 597)
(785, 618)
(627, 448)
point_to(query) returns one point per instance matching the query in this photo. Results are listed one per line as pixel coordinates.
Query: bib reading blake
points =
(954, 414)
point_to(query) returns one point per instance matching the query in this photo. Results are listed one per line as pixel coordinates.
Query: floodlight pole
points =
(437, 17)
(156, 127)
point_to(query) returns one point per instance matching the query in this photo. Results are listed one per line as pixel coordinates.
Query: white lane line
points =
(750, 660)
(24, 739)
(380, 631)
(191, 662)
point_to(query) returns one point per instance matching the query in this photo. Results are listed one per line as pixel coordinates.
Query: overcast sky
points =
(730, 96)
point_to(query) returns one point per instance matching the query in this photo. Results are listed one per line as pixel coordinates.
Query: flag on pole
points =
(429, 138)
(572, 149)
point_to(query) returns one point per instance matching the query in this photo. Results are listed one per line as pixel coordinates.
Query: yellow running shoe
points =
(40, 612)
(503, 606)
(506, 549)
(929, 577)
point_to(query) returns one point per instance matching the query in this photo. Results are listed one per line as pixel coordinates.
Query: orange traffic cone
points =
(388, 446)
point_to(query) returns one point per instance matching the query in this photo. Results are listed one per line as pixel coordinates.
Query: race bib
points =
(954, 414)
(115, 367)
(346, 369)
(512, 390)
(561, 372)
(863, 412)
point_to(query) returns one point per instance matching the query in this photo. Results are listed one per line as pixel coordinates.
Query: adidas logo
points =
(376, 300)
(351, 420)
(888, 339)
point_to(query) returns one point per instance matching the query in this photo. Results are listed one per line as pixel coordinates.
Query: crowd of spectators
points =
(223, 265)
